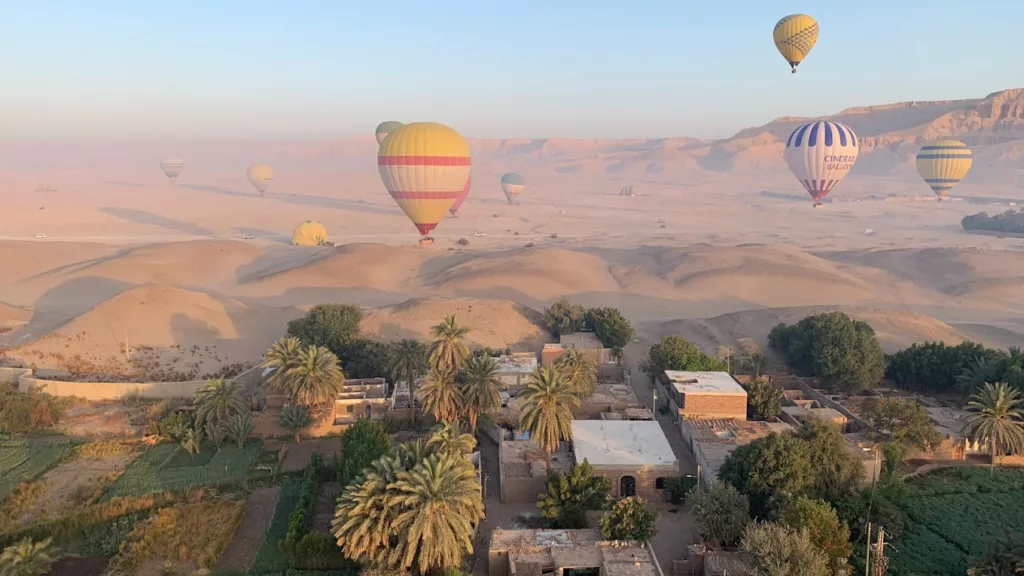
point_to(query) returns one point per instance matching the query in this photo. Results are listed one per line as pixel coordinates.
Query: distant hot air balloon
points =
(795, 35)
(943, 164)
(172, 167)
(627, 191)
(425, 167)
(512, 184)
(462, 197)
(820, 153)
(385, 128)
(260, 176)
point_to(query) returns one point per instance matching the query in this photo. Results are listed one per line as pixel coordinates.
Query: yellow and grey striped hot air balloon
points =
(385, 128)
(943, 165)
(260, 176)
(794, 36)
(425, 167)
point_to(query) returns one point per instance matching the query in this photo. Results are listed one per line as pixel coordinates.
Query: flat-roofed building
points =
(567, 553)
(711, 395)
(635, 455)
(361, 398)
(586, 342)
(514, 369)
(711, 441)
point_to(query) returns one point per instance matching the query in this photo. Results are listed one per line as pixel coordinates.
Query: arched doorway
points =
(627, 487)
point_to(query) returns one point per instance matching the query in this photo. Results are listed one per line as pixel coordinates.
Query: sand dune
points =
(354, 265)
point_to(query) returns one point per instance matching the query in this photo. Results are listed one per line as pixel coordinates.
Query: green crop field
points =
(169, 467)
(952, 516)
(24, 459)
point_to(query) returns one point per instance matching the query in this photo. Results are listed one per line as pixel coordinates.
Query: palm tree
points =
(448, 348)
(440, 504)
(218, 401)
(282, 357)
(293, 419)
(480, 389)
(441, 395)
(976, 375)
(316, 378)
(448, 438)
(26, 558)
(997, 419)
(408, 363)
(237, 428)
(363, 516)
(547, 402)
(579, 370)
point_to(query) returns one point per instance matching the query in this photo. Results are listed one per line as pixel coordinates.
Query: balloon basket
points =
(426, 240)
(816, 205)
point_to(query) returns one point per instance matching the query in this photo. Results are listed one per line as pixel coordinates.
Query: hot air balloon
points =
(512, 184)
(385, 128)
(820, 153)
(462, 197)
(795, 35)
(943, 164)
(627, 191)
(171, 167)
(260, 176)
(425, 167)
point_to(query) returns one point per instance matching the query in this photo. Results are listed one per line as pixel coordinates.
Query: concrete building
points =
(710, 395)
(366, 398)
(635, 455)
(524, 471)
(514, 369)
(567, 553)
(797, 415)
(711, 441)
(586, 342)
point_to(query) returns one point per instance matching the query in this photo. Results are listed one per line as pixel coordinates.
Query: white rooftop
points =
(718, 383)
(516, 364)
(621, 443)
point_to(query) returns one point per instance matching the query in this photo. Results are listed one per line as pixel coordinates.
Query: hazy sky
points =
(112, 68)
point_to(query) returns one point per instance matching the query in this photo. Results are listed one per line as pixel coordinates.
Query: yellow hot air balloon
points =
(943, 164)
(309, 233)
(795, 35)
(260, 176)
(425, 167)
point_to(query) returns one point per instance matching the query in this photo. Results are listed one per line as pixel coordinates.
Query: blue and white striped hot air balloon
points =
(820, 154)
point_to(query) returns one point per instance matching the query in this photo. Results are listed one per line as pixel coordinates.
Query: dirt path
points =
(259, 511)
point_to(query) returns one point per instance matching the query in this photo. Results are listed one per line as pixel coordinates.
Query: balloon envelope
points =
(512, 184)
(260, 176)
(794, 37)
(462, 197)
(171, 167)
(943, 164)
(385, 128)
(425, 167)
(820, 153)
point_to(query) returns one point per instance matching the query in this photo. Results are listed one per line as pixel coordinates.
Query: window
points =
(349, 408)
(659, 483)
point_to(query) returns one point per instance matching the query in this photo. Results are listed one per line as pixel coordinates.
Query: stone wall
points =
(117, 390)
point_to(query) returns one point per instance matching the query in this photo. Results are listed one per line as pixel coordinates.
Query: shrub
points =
(629, 519)
(678, 487)
(764, 399)
(721, 512)
(563, 318)
(569, 496)
(677, 353)
(610, 327)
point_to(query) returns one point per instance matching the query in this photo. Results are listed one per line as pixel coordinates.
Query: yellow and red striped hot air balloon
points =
(425, 167)
(462, 197)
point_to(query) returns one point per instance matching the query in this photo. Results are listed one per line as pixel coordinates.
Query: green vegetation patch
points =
(25, 459)
(269, 559)
(155, 472)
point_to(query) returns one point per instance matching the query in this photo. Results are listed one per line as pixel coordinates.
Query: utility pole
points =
(867, 552)
(881, 562)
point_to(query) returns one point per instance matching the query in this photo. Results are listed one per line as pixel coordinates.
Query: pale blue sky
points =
(534, 68)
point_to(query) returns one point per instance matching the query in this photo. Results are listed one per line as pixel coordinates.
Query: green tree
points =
(546, 408)
(997, 419)
(844, 353)
(721, 512)
(333, 326)
(362, 443)
(218, 401)
(835, 472)
(191, 441)
(769, 470)
(629, 519)
(282, 357)
(408, 363)
(316, 378)
(570, 495)
(821, 522)
(26, 558)
(781, 551)
(902, 421)
(563, 318)
(447, 438)
(480, 389)
(294, 418)
(677, 353)
(977, 374)
(442, 396)
(364, 358)
(579, 370)
(933, 366)
(610, 327)
(764, 399)
(448, 349)
(237, 428)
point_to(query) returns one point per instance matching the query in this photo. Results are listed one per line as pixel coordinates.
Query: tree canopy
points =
(330, 325)
(563, 318)
(841, 351)
(361, 444)
(568, 497)
(827, 532)
(764, 399)
(903, 421)
(678, 353)
(721, 512)
(610, 327)
(933, 366)
(629, 519)
(1011, 221)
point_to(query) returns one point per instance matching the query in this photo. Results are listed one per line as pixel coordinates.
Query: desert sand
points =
(720, 243)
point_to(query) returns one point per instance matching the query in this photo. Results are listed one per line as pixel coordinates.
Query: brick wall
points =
(645, 479)
(712, 406)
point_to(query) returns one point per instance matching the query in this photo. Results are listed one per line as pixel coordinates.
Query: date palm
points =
(441, 395)
(480, 389)
(579, 371)
(407, 362)
(218, 401)
(316, 378)
(997, 419)
(448, 348)
(237, 428)
(448, 438)
(547, 402)
(976, 375)
(26, 558)
(282, 357)
(293, 419)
